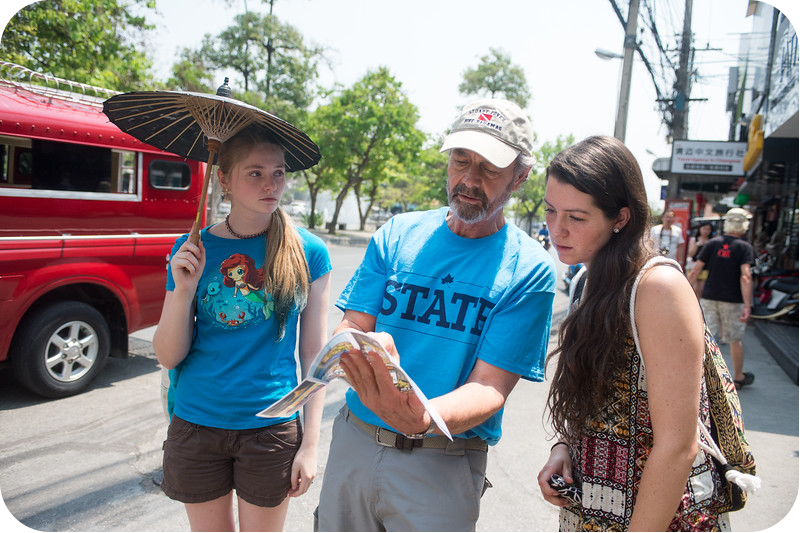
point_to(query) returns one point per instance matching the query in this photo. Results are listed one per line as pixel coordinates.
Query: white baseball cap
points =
(496, 129)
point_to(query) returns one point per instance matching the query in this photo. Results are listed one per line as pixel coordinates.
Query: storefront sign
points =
(716, 158)
(783, 99)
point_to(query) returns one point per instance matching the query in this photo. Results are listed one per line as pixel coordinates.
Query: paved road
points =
(88, 463)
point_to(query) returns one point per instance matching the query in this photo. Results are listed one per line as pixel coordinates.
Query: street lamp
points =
(605, 54)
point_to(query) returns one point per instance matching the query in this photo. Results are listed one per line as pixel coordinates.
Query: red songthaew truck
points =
(88, 216)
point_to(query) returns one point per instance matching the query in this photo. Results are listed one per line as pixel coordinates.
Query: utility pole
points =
(683, 81)
(680, 104)
(629, 46)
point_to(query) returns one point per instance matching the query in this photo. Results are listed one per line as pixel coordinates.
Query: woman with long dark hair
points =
(627, 437)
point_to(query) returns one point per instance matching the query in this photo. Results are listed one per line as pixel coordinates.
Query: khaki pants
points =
(369, 487)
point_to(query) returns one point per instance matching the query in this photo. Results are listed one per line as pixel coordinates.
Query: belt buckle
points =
(378, 438)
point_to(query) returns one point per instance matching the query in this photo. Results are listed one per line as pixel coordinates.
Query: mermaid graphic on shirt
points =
(235, 297)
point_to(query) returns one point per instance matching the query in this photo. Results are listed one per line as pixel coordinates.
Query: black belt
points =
(390, 439)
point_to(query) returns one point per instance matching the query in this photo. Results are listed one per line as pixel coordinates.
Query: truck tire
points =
(60, 349)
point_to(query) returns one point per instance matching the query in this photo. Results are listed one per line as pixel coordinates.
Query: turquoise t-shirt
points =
(236, 366)
(449, 300)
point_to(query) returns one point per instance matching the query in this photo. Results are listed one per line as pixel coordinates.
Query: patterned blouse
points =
(609, 461)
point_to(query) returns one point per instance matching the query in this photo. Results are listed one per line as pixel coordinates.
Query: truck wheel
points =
(60, 349)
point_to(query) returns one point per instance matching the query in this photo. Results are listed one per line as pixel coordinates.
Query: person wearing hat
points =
(463, 298)
(728, 292)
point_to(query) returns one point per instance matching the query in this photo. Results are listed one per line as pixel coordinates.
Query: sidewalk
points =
(770, 408)
(344, 237)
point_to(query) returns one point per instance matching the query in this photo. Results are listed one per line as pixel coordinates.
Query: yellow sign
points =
(755, 142)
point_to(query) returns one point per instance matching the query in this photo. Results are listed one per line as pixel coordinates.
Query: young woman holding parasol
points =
(228, 331)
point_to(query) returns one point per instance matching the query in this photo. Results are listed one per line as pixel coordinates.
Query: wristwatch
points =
(431, 429)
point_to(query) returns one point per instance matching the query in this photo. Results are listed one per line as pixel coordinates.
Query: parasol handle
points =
(194, 235)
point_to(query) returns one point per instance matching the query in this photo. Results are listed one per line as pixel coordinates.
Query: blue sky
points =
(428, 44)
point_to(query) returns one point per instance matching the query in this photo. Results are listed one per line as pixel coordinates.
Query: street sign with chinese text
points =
(718, 158)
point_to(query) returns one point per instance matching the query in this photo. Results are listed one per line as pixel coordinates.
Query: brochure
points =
(326, 368)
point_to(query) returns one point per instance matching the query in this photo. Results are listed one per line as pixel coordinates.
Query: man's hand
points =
(371, 380)
(745, 315)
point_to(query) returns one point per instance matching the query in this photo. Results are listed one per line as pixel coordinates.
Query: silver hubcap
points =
(71, 351)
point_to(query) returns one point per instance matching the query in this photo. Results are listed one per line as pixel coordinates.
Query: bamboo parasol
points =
(194, 125)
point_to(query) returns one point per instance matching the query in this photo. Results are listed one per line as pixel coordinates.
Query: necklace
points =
(240, 236)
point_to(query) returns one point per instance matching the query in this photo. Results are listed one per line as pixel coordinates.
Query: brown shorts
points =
(203, 463)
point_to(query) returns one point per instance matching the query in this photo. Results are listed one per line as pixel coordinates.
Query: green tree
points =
(530, 195)
(322, 125)
(90, 41)
(421, 184)
(276, 67)
(237, 47)
(432, 174)
(192, 72)
(496, 77)
(368, 131)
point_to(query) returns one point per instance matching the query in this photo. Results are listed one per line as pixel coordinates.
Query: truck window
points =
(59, 166)
(3, 164)
(169, 174)
(15, 161)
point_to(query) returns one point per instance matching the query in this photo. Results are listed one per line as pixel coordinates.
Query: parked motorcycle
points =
(569, 273)
(778, 299)
(763, 273)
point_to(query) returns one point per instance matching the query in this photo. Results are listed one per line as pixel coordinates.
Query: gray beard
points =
(470, 213)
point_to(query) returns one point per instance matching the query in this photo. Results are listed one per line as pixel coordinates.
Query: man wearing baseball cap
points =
(728, 293)
(463, 298)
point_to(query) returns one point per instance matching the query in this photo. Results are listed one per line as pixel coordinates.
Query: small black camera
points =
(571, 492)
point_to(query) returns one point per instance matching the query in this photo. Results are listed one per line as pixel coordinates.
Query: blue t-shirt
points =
(236, 367)
(449, 300)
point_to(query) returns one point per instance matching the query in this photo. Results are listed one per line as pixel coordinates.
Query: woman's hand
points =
(173, 336)
(304, 470)
(559, 463)
(187, 266)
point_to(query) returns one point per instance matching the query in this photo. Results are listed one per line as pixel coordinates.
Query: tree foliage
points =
(97, 42)
(322, 127)
(496, 77)
(277, 70)
(368, 131)
(530, 195)
(192, 72)
(420, 184)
